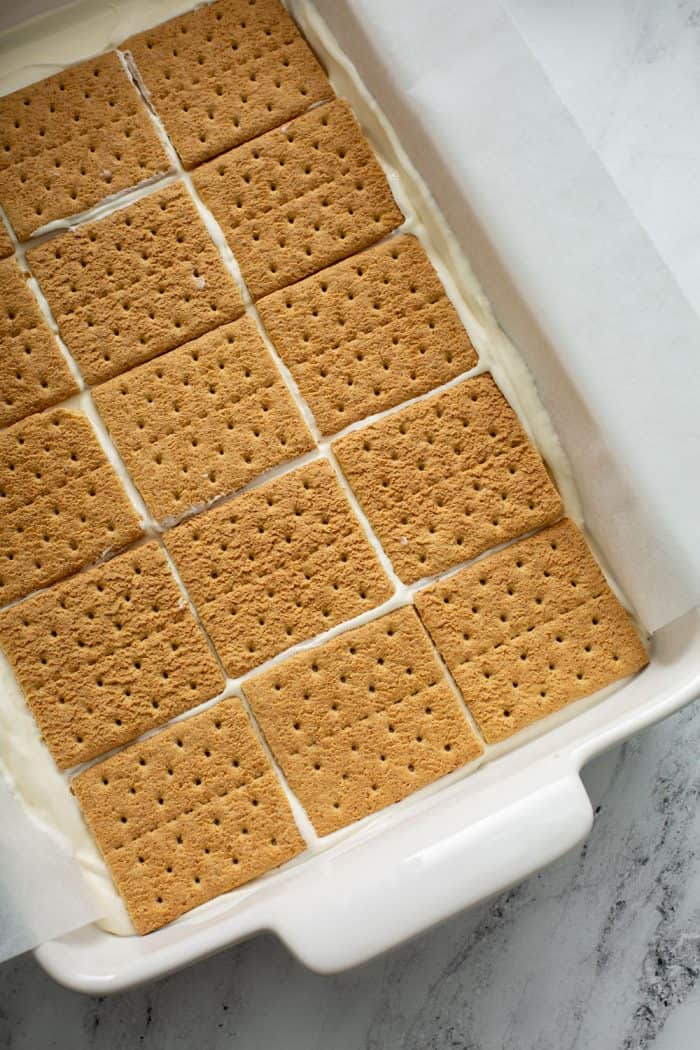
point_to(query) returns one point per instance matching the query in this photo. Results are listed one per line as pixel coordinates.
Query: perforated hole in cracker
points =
(203, 420)
(225, 73)
(71, 140)
(530, 629)
(131, 286)
(299, 198)
(277, 565)
(447, 478)
(368, 333)
(188, 814)
(62, 505)
(33, 373)
(362, 721)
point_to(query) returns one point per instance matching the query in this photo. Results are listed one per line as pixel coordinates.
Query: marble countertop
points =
(601, 950)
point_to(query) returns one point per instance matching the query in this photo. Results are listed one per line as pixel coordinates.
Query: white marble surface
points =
(602, 950)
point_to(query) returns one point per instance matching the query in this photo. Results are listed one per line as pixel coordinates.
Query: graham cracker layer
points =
(277, 565)
(72, 140)
(225, 73)
(202, 420)
(33, 372)
(529, 629)
(363, 720)
(299, 198)
(190, 813)
(6, 245)
(62, 506)
(368, 333)
(107, 655)
(447, 478)
(131, 286)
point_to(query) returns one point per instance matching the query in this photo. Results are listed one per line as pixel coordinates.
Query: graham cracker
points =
(225, 73)
(368, 333)
(131, 286)
(277, 565)
(6, 245)
(529, 629)
(62, 505)
(33, 372)
(447, 478)
(72, 140)
(107, 655)
(299, 198)
(202, 420)
(362, 721)
(190, 813)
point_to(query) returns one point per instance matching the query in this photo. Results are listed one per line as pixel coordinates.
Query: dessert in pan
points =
(288, 495)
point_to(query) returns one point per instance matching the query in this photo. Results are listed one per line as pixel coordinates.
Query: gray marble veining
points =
(599, 952)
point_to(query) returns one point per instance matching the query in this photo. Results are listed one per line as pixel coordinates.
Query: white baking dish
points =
(439, 854)
(439, 851)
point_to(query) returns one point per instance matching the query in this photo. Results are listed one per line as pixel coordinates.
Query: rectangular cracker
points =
(447, 478)
(202, 420)
(190, 813)
(33, 372)
(107, 655)
(299, 198)
(368, 333)
(62, 505)
(363, 720)
(225, 73)
(277, 565)
(530, 629)
(131, 286)
(72, 140)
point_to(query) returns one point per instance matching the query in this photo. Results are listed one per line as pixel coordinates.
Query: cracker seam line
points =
(312, 357)
(186, 812)
(536, 627)
(374, 712)
(44, 308)
(301, 818)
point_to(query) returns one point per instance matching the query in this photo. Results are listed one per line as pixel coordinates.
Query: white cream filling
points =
(88, 28)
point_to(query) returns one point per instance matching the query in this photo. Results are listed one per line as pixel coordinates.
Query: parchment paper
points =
(572, 277)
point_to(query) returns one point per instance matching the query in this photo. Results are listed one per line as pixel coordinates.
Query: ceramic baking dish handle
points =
(421, 869)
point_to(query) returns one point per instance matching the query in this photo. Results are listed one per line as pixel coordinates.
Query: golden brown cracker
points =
(131, 286)
(363, 720)
(202, 420)
(277, 565)
(368, 333)
(72, 140)
(447, 478)
(6, 245)
(107, 655)
(529, 629)
(62, 506)
(299, 198)
(225, 73)
(500, 597)
(188, 814)
(33, 372)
